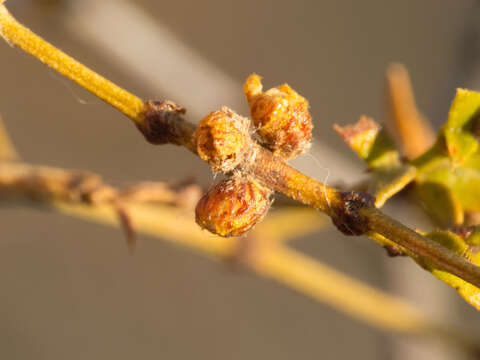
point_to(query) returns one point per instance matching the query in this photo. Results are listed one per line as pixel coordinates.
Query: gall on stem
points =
(280, 116)
(233, 206)
(222, 139)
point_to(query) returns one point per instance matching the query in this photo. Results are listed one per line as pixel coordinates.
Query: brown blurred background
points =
(69, 289)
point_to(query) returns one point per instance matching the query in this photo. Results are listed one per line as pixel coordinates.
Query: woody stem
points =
(353, 213)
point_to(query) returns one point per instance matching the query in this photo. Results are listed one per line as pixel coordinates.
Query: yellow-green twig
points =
(17, 34)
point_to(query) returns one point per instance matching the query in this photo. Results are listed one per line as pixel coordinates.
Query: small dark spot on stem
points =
(393, 251)
(160, 125)
(346, 216)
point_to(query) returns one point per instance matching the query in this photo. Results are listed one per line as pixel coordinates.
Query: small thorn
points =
(393, 251)
(127, 227)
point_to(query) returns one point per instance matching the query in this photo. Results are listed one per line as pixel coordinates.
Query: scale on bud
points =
(233, 206)
(222, 139)
(281, 117)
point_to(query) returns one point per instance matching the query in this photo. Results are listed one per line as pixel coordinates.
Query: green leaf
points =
(455, 243)
(448, 190)
(469, 292)
(446, 177)
(474, 238)
(440, 203)
(451, 241)
(460, 141)
(373, 145)
(370, 142)
(387, 182)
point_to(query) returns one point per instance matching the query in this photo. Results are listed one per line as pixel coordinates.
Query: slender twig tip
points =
(7, 149)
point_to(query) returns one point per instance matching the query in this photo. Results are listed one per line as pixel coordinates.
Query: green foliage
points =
(452, 165)
(460, 246)
(442, 204)
(460, 142)
(373, 145)
(446, 179)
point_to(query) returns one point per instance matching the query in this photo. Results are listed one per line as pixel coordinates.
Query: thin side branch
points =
(415, 132)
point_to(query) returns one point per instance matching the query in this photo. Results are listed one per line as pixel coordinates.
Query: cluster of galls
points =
(223, 138)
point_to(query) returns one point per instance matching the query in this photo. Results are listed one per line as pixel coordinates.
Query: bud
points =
(222, 139)
(232, 207)
(281, 117)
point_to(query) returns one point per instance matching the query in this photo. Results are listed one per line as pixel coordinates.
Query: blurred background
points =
(70, 288)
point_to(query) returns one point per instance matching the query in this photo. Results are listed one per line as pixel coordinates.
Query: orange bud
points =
(222, 139)
(232, 207)
(281, 117)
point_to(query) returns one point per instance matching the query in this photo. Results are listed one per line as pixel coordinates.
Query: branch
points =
(353, 213)
(84, 195)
